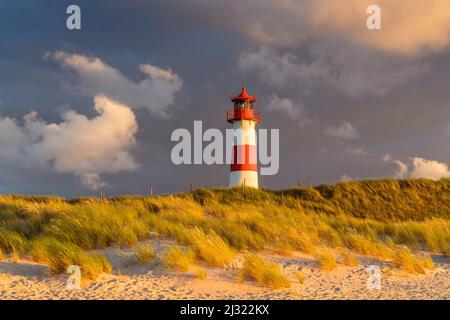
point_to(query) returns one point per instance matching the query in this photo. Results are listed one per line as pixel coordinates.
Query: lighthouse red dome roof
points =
(244, 96)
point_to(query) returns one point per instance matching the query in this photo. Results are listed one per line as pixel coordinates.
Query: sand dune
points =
(131, 280)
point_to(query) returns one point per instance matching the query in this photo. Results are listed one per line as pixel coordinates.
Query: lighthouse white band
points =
(244, 178)
(244, 133)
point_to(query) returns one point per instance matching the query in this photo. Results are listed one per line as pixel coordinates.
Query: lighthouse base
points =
(244, 178)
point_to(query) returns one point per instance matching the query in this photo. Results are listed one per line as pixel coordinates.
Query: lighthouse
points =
(244, 167)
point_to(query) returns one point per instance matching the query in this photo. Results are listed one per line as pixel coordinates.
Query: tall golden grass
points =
(211, 248)
(145, 254)
(265, 273)
(326, 260)
(178, 259)
(371, 218)
(59, 256)
(406, 260)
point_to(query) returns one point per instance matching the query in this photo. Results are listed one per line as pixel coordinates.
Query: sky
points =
(94, 108)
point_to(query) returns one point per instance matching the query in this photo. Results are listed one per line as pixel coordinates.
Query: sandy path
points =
(131, 280)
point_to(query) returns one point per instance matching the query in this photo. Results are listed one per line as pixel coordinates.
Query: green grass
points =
(371, 218)
(12, 242)
(264, 273)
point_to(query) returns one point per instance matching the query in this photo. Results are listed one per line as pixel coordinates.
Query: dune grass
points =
(369, 218)
(59, 256)
(348, 258)
(145, 254)
(211, 248)
(407, 261)
(283, 249)
(200, 273)
(326, 260)
(12, 242)
(264, 273)
(178, 259)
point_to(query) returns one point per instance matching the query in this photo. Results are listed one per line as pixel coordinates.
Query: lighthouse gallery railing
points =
(243, 114)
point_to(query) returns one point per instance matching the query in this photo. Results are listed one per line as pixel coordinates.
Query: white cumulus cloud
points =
(401, 171)
(78, 145)
(156, 92)
(419, 168)
(430, 169)
(11, 138)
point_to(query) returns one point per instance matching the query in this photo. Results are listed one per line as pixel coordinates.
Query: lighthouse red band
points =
(244, 167)
(244, 158)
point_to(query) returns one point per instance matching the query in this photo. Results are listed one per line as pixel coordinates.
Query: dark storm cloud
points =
(398, 105)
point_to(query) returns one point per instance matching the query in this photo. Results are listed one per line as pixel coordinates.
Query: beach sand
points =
(131, 280)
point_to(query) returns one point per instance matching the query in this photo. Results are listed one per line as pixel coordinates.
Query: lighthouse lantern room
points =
(244, 167)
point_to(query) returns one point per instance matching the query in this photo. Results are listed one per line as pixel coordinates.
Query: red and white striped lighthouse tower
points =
(244, 166)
